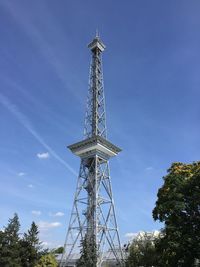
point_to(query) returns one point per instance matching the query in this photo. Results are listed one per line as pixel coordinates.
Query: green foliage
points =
(142, 252)
(88, 253)
(10, 248)
(58, 250)
(47, 260)
(178, 206)
(20, 252)
(30, 247)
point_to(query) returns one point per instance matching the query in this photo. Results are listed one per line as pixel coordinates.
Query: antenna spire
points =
(97, 33)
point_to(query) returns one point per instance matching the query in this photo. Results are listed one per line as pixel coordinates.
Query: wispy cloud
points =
(43, 225)
(30, 186)
(37, 37)
(21, 174)
(44, 155)
(57, 214)
(27, 124)
(36, 212)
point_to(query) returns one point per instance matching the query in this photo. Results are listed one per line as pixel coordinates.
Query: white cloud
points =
(44, 155)
(149, 168)
(30, 186)
(141, 234)
(46, 244)
(53, 245)
(48, 225)
(36, 212)
(57, 214)
(21, 173)
(131, 235)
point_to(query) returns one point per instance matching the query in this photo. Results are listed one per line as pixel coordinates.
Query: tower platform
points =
(94, 145)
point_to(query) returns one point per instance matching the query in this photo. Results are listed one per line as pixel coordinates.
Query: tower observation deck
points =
(93, 217)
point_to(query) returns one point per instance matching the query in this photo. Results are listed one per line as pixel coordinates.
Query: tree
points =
(178, 206)
(1, 239)
(47, 260)
(10, 248)
(24, 251)
(58, 250)
(88, 253)
(30, 247)
(142, 251)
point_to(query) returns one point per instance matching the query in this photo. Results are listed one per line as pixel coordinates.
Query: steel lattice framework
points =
(93, 212)
(95, 119)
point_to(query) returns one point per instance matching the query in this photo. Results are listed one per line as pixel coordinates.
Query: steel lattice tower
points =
(93, 212)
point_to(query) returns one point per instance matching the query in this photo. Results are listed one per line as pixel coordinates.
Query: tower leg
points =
(93, 214)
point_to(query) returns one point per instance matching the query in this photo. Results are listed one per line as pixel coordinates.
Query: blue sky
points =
(151, 73)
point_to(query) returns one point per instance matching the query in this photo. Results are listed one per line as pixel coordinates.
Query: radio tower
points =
(93, 214)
